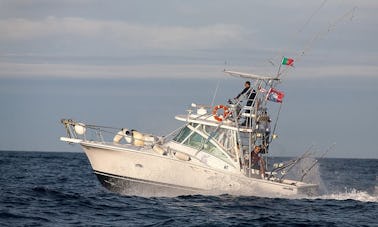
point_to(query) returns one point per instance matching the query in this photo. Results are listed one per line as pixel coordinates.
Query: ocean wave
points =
(62, 191)
(46, 191)
(12, 218)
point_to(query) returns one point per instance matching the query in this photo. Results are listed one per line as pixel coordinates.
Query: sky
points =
(132, 62)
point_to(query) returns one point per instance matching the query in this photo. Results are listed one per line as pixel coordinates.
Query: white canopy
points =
(250, 76)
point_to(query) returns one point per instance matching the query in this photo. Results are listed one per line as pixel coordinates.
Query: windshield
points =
(209, 141)
(224, 138)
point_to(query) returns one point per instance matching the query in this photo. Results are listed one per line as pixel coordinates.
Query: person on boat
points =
(251, 94)
(258, 161)
(266, 139)
(263, 126)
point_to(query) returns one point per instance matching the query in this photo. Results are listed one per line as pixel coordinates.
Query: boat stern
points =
(308, 189)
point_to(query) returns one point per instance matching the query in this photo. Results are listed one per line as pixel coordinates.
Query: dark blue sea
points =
(59, 189)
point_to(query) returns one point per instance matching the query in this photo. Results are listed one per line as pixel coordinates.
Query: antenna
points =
(312, 15)
(215, 93)
(324, 32)
(320, 34)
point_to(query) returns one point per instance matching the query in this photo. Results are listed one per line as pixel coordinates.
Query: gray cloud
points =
(121, 33)
(247, 34)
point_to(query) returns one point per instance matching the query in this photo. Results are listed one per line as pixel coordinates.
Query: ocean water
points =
(59, 189)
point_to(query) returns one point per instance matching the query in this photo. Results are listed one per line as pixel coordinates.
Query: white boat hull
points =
(135, 172)
(219, 149)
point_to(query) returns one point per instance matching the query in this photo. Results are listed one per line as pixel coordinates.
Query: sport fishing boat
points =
(212, 153)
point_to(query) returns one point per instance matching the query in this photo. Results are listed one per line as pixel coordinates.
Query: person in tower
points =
(251, 94)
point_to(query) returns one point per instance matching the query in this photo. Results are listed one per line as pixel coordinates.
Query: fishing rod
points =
(285, 165)
(317, 161)
(296, 161)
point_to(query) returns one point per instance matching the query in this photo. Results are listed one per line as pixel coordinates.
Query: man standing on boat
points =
(250, 93)
(258, 161)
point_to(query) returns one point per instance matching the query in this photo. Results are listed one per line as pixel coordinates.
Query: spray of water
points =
(353, 194)
(314, 176)
(310, 173)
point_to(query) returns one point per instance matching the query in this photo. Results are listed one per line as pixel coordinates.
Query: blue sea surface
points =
(59, 189)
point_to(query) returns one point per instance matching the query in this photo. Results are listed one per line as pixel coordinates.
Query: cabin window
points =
(182, 135)
(195, 141)
(198, 142)
(213, 150)
(224, 139)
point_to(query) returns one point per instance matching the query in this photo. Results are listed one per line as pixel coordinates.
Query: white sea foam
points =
(353, 194)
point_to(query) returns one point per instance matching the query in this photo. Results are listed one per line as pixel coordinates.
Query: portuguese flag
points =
(287, 61)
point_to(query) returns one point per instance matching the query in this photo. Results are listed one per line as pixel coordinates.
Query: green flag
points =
(287, 61)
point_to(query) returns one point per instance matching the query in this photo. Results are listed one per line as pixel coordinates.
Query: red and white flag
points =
(275, 95)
